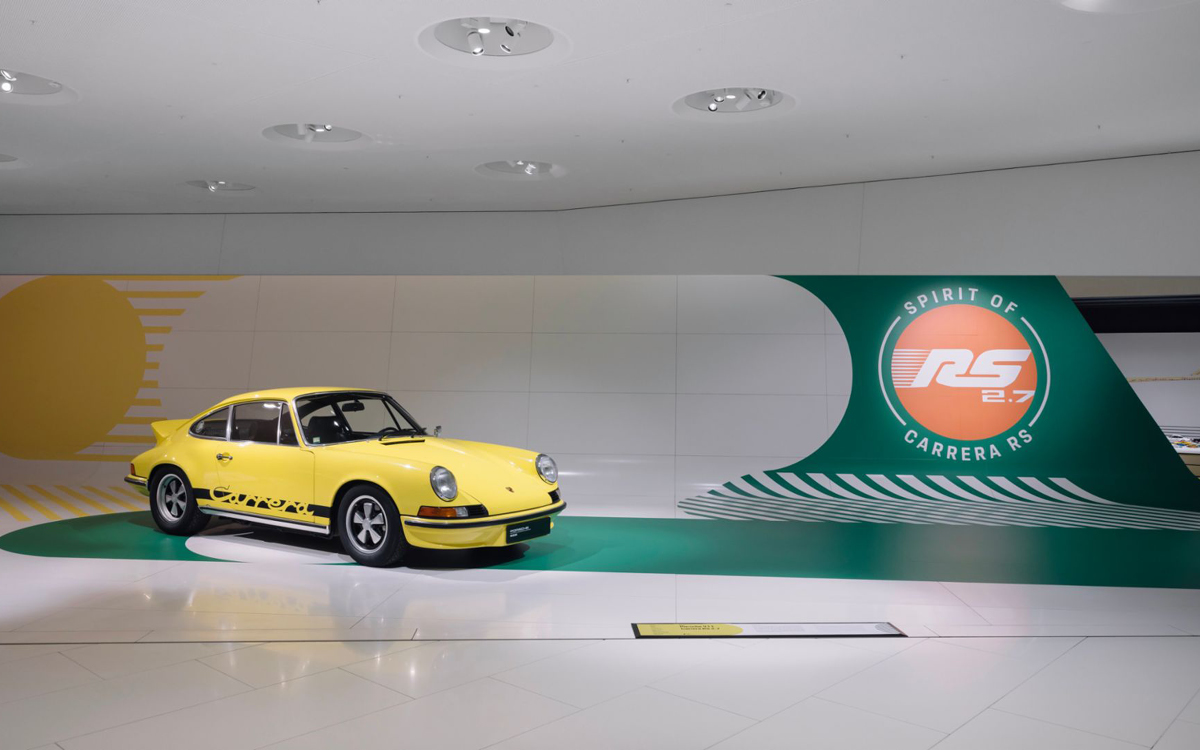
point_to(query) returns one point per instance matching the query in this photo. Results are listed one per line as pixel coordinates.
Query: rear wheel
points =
(369, 526)
(173, 505)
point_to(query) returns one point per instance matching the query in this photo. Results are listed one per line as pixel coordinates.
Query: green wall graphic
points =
(975, 400)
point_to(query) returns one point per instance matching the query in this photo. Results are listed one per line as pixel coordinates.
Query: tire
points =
(173, 504)
(369, 527)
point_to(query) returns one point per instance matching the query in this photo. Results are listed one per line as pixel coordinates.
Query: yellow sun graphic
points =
(77, 360)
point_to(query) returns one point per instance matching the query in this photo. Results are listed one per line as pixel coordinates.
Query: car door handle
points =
(224, 457)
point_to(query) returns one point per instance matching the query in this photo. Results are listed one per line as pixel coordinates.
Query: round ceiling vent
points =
(24, 88)
(521, 169)
(722, 104)
(222, 187)
(483, 42)
(316, 135)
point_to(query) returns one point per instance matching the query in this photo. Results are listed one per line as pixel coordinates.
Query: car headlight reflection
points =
(443, 483)
(547, 469)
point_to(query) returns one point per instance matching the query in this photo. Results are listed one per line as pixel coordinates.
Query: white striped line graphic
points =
(960, 500)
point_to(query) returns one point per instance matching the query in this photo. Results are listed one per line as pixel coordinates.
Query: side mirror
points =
(437, 430)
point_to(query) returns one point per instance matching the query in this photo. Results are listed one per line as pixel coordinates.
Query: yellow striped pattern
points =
(33, 503)
(162, 295)
(153, 277)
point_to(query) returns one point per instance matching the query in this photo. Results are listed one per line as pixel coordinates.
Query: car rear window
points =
(214, 425)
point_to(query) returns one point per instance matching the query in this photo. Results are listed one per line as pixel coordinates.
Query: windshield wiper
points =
(387, 432)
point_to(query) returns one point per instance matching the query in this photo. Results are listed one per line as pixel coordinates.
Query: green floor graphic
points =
(117, 536)
(1095, 557)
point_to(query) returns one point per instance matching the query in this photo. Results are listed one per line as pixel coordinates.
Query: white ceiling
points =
(178, 90)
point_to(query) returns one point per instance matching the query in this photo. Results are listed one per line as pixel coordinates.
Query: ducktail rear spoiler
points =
(164, 428)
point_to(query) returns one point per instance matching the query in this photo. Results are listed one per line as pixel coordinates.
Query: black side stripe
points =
(201, 493)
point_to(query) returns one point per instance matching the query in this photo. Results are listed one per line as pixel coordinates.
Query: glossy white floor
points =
(1029, 693)
(280, 653)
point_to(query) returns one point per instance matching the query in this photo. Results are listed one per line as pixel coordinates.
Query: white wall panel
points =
(839, 374)
(228, 305)
(206, 359)
(460, 361)
(604, 304)
(831, 323)
(1174, 403)
(836, 409)
(1153, 354)
(473, 243)
(116, 244)
(751, 363)
(604, 362)
(750, 425)
(183, 403)
(1169, 363)
(325, 303)
(485, 417)
(637, 506)
(626, 474)
(717, 304)
(696, 475)
(605, 384)
(814, 229)
(464, 304)
(607, 423)
(1123, 216)
(303, 358)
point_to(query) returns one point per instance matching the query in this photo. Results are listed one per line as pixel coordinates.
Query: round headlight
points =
(547, 468)
(443, 483)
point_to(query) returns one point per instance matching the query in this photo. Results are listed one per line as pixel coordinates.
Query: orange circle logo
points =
(964, 372)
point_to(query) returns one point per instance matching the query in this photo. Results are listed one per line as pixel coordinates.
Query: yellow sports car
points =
(348, 462)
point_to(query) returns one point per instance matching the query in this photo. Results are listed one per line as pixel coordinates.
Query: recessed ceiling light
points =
(733, 101)
(316, 135)
(1122, 6)
(221, 186)
(493, 37)
(24, 88)
(715, 105)
(521, 169)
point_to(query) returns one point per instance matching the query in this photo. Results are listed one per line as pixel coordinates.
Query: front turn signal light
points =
(430, 511)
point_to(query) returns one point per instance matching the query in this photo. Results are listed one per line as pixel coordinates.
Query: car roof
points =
(286, 394)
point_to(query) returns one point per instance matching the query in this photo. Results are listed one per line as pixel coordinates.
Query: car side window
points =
(287, 429)
(256, 422)
(214, 425)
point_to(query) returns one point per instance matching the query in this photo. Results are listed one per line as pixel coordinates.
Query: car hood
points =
(502, 478)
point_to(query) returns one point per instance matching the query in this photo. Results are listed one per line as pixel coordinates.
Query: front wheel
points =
(173, 505)
(369, 526)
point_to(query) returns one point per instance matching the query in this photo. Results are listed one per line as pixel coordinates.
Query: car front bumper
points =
(490, 531)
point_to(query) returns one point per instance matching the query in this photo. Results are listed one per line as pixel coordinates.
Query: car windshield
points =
(328, 418)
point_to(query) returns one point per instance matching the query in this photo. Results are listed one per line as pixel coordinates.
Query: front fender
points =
(407, 483)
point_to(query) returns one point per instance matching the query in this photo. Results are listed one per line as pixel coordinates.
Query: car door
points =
(199, 456)
(265, 472)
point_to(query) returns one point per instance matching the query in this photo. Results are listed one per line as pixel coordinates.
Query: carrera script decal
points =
(251, 503)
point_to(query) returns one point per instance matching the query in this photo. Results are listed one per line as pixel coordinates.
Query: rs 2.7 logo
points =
(991, 372)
